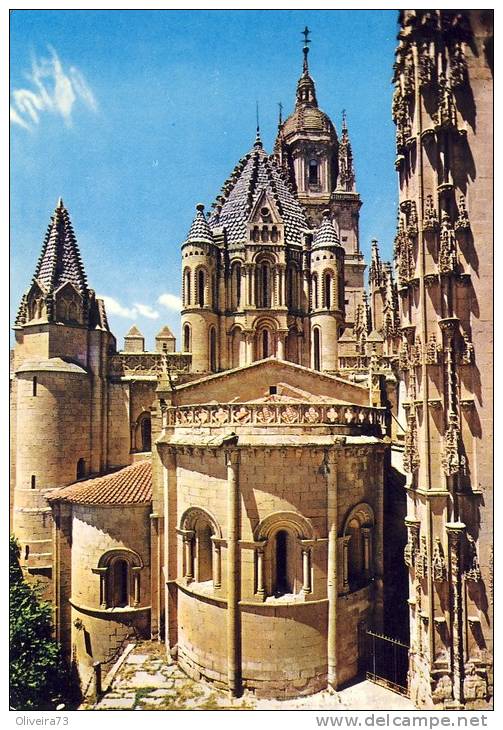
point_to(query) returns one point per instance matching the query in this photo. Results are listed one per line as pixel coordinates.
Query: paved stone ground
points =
(149, 681)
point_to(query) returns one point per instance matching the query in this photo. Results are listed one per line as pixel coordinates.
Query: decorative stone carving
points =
(462, 222)
(430, 221)
(457, 63)
(443, 689)
(411, 458)
(445, 117)
(421, 560)
(412, 224)
(438, 564)
(426, 66)
(452, 461)
(431, 351)
(474, 686)
(289, 415)
(412, 547)
(403, 356)
(265, 415)
(415, 353)
(467, 354)
(447, 259)
(220, 416)
(242, 415)
(472, 571)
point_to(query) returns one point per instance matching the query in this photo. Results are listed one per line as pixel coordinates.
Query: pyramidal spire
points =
(60, 260)
(346, 179)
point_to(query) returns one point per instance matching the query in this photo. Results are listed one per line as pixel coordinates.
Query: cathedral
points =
(304, 485)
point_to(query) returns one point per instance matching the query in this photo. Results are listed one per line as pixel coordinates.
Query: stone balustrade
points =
(125, 364)
(284, 414)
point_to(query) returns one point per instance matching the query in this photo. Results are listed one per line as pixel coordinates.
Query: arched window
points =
(146, 434)
(120, 583)
(235, 346)
(313, 172)
(283, 582)
(81, 468)
(283, 562)
(235, 286)
(214, 291)
(200, 287)
(201, 545)
(265, 343)
(213, 350)
(274, 234)
(316, 349)
(264, 298)
(186, 337)
(186, 287)
(327, 291)
(119, 571)
(358, 537)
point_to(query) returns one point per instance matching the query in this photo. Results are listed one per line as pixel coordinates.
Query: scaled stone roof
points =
(131, 485)
(255, 173)
(60, 260)
(325, 235)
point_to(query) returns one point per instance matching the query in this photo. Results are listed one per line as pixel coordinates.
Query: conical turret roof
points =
(325, 235)
(255, 173)
(60, 260)
(200, 230)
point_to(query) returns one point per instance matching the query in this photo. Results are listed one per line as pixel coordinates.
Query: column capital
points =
(231, 457)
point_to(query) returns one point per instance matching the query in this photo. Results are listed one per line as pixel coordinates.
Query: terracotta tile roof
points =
(131, 485)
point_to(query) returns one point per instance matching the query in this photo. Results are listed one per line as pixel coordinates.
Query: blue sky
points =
(133, 117)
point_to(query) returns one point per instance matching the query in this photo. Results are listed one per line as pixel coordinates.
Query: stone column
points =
(188, 556)
(217, 564)
(260, 573)
(331, 475)
(233, 623)
(306, 570)
(168, 457)
(155, 575)
(280, 353)
(367, 549)
(251, 286)
(135, 570)
(345, 571)
(455, 535)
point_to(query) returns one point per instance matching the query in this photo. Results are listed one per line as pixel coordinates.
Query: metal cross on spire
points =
(305, 49)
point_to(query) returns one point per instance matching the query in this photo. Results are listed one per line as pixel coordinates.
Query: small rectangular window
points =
(34, 386)
(344, 238)
(346, 301)
(33, 481)
(273, 390)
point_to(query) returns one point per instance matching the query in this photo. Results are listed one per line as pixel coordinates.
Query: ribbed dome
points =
(307, 118)
(255, 173)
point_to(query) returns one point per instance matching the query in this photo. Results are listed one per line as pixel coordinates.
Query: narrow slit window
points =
(34, 386)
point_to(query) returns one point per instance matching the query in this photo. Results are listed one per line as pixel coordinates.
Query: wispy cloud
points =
(170, 301)
(146, 311)
(52, 88)
(137, 310)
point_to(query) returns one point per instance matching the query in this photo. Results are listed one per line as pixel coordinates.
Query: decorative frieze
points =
(147, 363)
(265, 414)
(467, 352)
(412, 547)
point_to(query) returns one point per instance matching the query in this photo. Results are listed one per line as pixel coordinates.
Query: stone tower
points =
(442, 109)
(254, 282)
(59, 394)
(321, 170)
